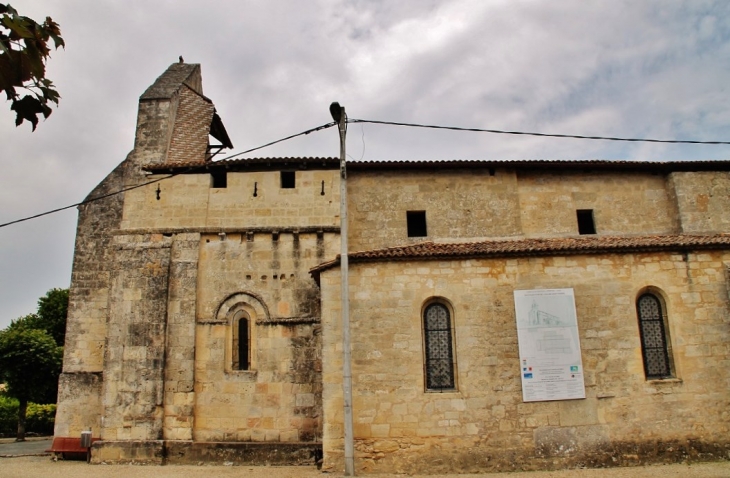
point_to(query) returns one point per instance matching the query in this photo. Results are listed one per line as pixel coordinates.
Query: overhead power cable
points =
(185, 171)
(390, 123)
(523, 133)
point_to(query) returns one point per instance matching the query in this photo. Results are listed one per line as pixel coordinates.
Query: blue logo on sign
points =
(528, 375)
(573, 368)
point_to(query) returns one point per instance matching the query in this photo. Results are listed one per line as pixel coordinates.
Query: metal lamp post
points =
(340, 117)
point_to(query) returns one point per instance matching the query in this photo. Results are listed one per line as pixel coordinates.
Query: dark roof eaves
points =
(543, 164)
(531, 165)
(245, 164)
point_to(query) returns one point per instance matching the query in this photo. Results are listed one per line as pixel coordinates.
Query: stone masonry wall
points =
(459, 205)
(179, 399)
(136, 340)
(484, 425)
(279, 397)
(188, 201)
(89, 293)
(638, 203)
(703, 200)
(79, 399)
(479, 204)
(252, 242)
(80, 404)
(271, 240)
(155, 122)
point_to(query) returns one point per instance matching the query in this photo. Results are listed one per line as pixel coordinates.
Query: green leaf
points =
(34, 63)
(49, 94)
(46, 110)
(10, 93)
(17, 27)
(24, 49)
(54, 31)
(27, 108)
(58, 41)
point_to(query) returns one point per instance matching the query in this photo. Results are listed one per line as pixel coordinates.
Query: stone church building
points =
(205, 311)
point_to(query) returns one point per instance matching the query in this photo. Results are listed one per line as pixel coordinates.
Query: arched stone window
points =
(241, 312)
(655, 344)
(439, 357)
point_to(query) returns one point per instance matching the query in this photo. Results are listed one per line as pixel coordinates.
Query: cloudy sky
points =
(657, 69)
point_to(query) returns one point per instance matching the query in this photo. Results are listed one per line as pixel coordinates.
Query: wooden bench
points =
(69, 448)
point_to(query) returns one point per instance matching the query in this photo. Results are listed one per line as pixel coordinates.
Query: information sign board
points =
(547, 332)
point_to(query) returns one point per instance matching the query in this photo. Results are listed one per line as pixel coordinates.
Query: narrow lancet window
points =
(241, 341)
(439, 365)
(654, 338)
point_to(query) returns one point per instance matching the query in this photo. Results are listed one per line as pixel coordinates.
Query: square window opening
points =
(416, 223)
(288, 180)
(218, 179)
(586, 223)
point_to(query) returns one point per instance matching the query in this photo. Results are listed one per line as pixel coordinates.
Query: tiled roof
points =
(536, 247)
(544, 164)
(528, 165)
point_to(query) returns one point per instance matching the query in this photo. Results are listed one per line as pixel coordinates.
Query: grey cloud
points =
(652, 68)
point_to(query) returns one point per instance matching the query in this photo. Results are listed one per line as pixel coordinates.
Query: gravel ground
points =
(43, 466)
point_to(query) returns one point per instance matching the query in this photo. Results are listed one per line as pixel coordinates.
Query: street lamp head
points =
(336, 111)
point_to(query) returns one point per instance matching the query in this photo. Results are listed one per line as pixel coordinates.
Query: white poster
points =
(547, 332)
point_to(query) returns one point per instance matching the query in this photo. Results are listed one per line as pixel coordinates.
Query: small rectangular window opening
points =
(586, 225)
(243, 345)
(416, 223)
(288, 180)
(218, 179)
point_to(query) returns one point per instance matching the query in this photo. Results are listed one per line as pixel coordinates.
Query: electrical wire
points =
(185, 171)
(390, 123)
(572, 136)
(363, 146)
(312, 130)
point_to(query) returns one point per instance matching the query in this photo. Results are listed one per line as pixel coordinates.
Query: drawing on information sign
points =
(553, 342)
(540, 318)
(544, 309)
